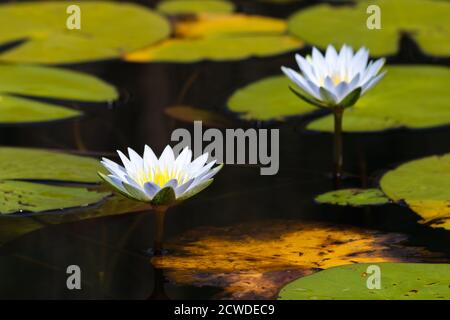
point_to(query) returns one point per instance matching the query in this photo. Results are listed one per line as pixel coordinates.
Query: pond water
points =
(110, 250)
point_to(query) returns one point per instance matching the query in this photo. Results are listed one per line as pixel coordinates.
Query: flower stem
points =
(160, 213)
(338, 154)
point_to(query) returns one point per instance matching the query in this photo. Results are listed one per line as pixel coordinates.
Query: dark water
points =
(109, 249)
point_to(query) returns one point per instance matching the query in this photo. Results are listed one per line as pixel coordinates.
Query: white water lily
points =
(336, 79)
(148, 178)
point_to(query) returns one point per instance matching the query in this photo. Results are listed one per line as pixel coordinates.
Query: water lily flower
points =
(160, 182)
(336, 79)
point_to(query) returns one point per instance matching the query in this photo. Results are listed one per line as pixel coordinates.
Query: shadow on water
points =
(113, 266)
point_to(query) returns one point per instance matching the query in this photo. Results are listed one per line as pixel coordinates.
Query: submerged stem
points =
(160, 213)
(338, 153)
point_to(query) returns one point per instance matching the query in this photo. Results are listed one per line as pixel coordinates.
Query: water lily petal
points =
(173, 183)
(198, 163)
(372, 82)
(182, 188)
(331, 58)
(306, 68)
(136, 193)
(372, 70)
(151, 189)
(193, 191)
(304, 85)
(327, 96)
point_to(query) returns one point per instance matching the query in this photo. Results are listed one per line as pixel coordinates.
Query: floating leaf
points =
(402, 99)
(424, 185)
(426, 21)
(268, 99)
(190, 114)
(42, 82)
(256, 260)
(35, 164)
(399, 281)
(353, 197)
(108, 30)
(39, 165)
(195, 6)
(19, 196)
(220, 37)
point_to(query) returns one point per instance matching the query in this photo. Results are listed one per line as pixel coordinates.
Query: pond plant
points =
(162, 182)
(335, 81)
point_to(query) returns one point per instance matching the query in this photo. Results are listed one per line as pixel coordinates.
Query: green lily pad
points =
(35, 164)
(19, 196)
(195, 6)
(403, 99)
(31, 166)
(268, 99)
(399, 281)
(426, 21)
(424, 185)
(353, 197)
(43, 82)
(220, 37)
(108, 30)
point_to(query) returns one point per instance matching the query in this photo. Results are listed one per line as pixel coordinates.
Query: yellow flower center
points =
(161, 176)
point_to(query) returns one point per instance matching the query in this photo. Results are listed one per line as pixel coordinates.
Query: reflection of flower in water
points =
(144, 178)
(256, 260)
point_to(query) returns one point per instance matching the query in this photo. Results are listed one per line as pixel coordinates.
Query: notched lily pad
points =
(425, 21)
(40, 82)
(19, 196)
(35, 164)
(424, 185)
(399, 281)
(108, 30)
(220, 37)
(255, 260)
(353, 197)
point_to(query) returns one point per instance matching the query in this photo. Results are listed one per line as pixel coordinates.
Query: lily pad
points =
(268, 99)
(399, 281)
(35, 164)
(43, 82)
(195, 6)
(403, 99)
(42, 166)
(353, 197)
(19, 196)
(108, 30)
(424, 185)
(220, 37)
(425, 21)
(254, 260)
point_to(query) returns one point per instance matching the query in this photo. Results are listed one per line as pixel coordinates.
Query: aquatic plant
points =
(335, 81)
(161, 182)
